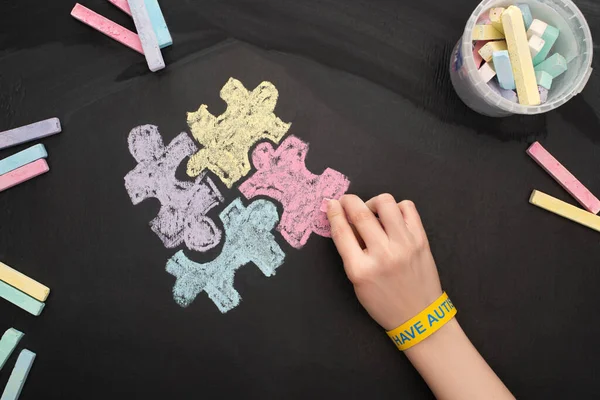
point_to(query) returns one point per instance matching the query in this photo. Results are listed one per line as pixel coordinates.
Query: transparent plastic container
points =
(574, 43)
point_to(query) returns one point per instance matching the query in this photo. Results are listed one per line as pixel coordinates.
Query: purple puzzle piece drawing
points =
(248, 239)
(182, 216)
(282, 175)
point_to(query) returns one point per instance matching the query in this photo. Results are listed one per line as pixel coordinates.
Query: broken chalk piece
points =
(122, 5)
(487, 72)
(476, 56)
(509, 95)
(543, 79)
(527, 17)
(163, 36)
(496, 18)
(145, 31)
(324, 205)
(30, 132)
(486, 32)
(565, 210)
(19, 374)
(487, 51)
(554, 66)
(23, 174)
(561, 175)
(537, 28)
(520, 57)
(504, 70)
(24, 283)
(543, 94)
(20, 299)
(550, 36)
(23, 158)
(8, 343)
(536, 44)
(106, 26)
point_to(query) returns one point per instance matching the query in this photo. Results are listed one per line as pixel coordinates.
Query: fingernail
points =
(325, 205)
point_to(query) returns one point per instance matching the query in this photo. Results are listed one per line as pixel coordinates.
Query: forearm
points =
(453, 368)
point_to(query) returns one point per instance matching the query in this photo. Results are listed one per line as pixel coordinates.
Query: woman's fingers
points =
(413, 220)
(390, 216)
(342, 234)
(364, 220)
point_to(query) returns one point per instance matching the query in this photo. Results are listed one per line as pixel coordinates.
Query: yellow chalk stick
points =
(24, 283)
(566, 210)
(520, 56)
(487, 51)
(486, 32)
(496, 18)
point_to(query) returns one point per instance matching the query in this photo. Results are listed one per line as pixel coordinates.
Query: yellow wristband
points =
(425, 324)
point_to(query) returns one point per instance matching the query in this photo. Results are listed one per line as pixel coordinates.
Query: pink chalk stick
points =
(25, 173)
(108, 27)
(123, 5)
(476, 55)
(561, 175)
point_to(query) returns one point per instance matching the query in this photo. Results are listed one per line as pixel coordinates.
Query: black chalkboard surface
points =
(366, 85)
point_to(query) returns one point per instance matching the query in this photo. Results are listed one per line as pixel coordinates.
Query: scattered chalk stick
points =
(19, 374)
(24, 283)
(544, 79)
(527, 17)
(504, 70)
(23, 174)
(565, 210)
(487, 72)
(536, 44)
(22, 158)
(108, 27)
(562, 175)
(20, 299)
(30, 132)
(8, 343)
(163, 36)
(520, 57)
(476, 56)
(145, 31)
(486, 32)
(550, 36)
(537, 28)
(496, 18)
(122, 5)
(509, 95)
(487, 51)
(554, 66)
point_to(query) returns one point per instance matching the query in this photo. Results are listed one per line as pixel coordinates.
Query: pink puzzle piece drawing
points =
(282, 175)
(184, 205)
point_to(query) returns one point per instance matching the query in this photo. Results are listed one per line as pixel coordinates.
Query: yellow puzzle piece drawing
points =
(227, 138)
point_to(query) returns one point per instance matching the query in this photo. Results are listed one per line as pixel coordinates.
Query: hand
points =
(386, 256)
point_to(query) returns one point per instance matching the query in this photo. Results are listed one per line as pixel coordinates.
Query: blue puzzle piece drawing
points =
(248, 239)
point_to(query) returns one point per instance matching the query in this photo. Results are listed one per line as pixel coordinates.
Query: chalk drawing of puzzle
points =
(224, 144)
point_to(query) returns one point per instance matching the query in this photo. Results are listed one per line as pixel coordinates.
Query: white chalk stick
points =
(145, 31)
(19, 374)
(29, 132)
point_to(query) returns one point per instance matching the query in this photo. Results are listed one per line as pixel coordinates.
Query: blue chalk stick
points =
(544, 79)
(504, 71)
(550, 36)
(19, 374)
(158, 23)
(527, 17)
(22, 158)
(20, 299)
(554, 65)
(8, 343)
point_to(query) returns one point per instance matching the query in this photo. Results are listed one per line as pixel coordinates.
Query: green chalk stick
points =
(20, 299)
(8, 343)
(19, 374)
(550, 35)
(554, 66)
(544, 79)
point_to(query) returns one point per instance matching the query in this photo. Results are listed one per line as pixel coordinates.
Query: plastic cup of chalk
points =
(574, 43)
